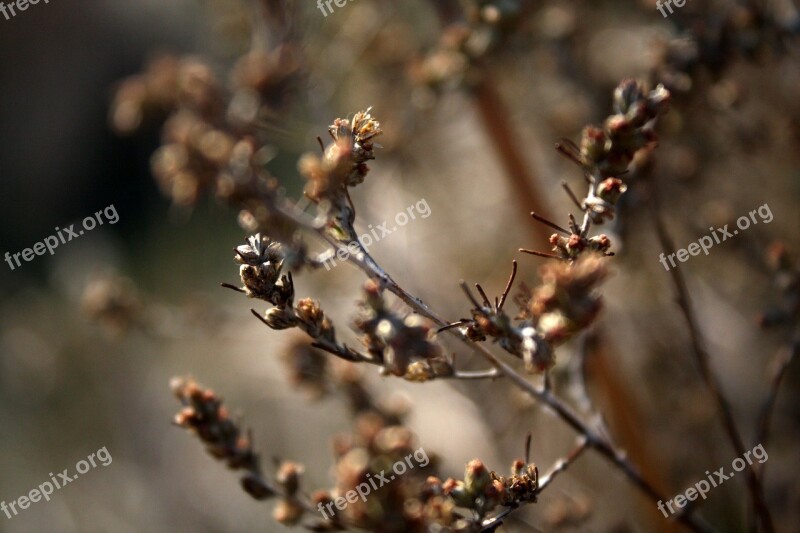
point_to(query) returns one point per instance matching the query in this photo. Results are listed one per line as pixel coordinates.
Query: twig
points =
(364, 261)
(704, 365)
(513, 275)
(548, 223)
(577, 372)
(780, 364)
(562, 464)
(474, 374)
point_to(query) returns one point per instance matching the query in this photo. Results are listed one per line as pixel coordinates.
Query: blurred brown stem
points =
(625, 415)
(706, 372)
(780, 364)
(500, 132)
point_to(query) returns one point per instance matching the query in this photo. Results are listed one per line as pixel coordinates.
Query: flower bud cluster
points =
(261, 262)
(606, 152)
(396, 342)
(464, 43)
(565, 302)
(209, 138)
(204, 415)
(483, 490)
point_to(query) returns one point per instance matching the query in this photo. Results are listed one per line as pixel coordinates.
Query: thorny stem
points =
(707, 374)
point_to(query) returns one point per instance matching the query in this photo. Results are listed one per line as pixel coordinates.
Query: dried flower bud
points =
(600, 243)
(113, 301)
(593, 144)
(258, 250)
(610, 189)
(537, 352)
(458, 492)
(204, 415)
(618, 125)
(563, 304)
(476, 478)
(327, 176)
(358, 134)
(658, 100)
(419, 371)
(432, 487)
(314, 320)
(287, 512)
(255, 487)
(308, 368)
(288, 477)
(394, 440)
(280, 318)
(198, 87)
(627, 93)
(261, 263)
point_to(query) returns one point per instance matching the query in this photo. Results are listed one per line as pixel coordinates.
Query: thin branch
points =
(471, 298)
(364, 261)
(232, 287)
(703, 362)
(570, 150)
(462, 322)
(562, 464)
(486, 300)
(546, 222)
(540, 254)
(508, 285)
(577, 372)
(780, 364)
(491, 373)
(571, 194)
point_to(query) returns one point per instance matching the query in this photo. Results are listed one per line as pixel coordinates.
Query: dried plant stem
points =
(349, 354)
(619, 401)
(495, 119)
(592, 437)
(780, 364)
(562, 464)
(710, 379)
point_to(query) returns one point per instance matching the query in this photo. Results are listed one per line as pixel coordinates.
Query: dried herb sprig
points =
(239, 179)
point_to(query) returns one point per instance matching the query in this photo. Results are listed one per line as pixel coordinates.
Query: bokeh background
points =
(70, 385)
